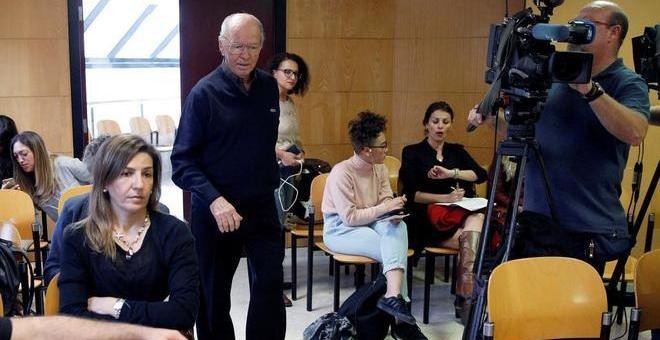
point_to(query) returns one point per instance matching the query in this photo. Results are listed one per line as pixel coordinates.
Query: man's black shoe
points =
(396, 307)
(405, 331)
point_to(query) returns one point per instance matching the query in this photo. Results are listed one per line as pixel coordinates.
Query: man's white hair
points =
(234, 20)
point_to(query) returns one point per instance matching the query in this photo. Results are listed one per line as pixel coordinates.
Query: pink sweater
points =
(356, 191)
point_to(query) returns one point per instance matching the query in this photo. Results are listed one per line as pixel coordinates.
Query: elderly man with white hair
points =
(223, 154)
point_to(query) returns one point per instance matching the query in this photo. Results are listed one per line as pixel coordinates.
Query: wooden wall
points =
(393, 57)
(34, 69)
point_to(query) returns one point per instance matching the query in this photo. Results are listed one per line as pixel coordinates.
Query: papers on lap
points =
(472, 204)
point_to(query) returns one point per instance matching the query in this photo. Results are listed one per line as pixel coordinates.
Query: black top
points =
(225, 143)
(417, 160)
(164, 266)
(5, 328)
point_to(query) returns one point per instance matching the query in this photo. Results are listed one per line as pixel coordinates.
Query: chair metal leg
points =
(409, 277)
(331, 266)
(359, 275)
(428, 274)
(310, 259)
(347, 270)
(374, 270)
(335, 305)
(294, 267)
(454, 273)
(446, 268)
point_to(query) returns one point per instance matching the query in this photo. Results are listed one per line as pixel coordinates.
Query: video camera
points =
(646, 54)
(523, 64)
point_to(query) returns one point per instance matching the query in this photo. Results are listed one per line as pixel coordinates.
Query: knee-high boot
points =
(468, 244)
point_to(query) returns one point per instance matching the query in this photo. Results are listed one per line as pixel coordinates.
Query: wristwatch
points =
(116, 309)
(595, 92)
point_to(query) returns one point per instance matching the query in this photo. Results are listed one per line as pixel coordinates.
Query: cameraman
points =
(584, 136)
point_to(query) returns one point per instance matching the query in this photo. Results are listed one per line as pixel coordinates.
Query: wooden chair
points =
(546, 298)
(393, 165)
(107, 127)
(430, 254)
(72, 192)
(166, 129)
(17, 207)
(140, 126)
(313, 228)
(53, 296)
(647, 293)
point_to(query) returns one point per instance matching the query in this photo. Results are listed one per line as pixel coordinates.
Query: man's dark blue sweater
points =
(225, 141)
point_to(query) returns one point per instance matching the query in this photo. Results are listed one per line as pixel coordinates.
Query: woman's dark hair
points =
(442, 106)
(7, 132)
(365, 128)
(303, 71)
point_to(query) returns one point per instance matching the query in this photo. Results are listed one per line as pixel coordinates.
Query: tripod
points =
(518, 147)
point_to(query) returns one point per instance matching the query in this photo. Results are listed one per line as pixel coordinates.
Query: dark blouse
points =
(165, 265)
(417, 160)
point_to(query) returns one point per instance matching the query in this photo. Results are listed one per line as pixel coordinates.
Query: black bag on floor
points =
(331, 326)
(360, 308)
(9, 279)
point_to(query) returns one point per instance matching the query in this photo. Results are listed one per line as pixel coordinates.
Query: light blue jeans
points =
(383, 241)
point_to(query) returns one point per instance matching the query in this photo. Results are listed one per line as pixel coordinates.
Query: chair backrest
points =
(393, 165)
(647, 290)
(107, 127)
(52, 305)
(316, 194)
(72, 192)
(166, 129)
(17, 206)
(9, 232)
(546, 298)
(140, 126)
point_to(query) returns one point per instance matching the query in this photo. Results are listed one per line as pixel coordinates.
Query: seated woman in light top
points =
(126, 260)
(35, 172)
(357, 194)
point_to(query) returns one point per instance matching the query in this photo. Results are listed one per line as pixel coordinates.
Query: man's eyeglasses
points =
(289, 73)
(238, 48)
(382, 146)
(596, 22)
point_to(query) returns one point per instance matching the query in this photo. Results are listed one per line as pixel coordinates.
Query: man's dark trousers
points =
(219, 254)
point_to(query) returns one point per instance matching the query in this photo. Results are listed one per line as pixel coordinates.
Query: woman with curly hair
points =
(357, 196)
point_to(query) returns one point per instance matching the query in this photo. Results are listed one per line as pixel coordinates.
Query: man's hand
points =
(582, 88)
(225, 215)
(475, 118)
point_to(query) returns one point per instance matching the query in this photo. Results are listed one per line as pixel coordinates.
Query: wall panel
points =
(34, 69)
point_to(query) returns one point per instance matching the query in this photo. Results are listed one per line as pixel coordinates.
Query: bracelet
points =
(455, 173)
(595, 92)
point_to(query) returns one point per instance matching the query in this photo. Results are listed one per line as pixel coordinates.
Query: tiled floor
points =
(442, 323)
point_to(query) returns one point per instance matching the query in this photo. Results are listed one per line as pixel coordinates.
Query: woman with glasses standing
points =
(292, 75)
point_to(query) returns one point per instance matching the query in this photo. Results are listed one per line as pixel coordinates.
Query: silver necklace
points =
(121, 237)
